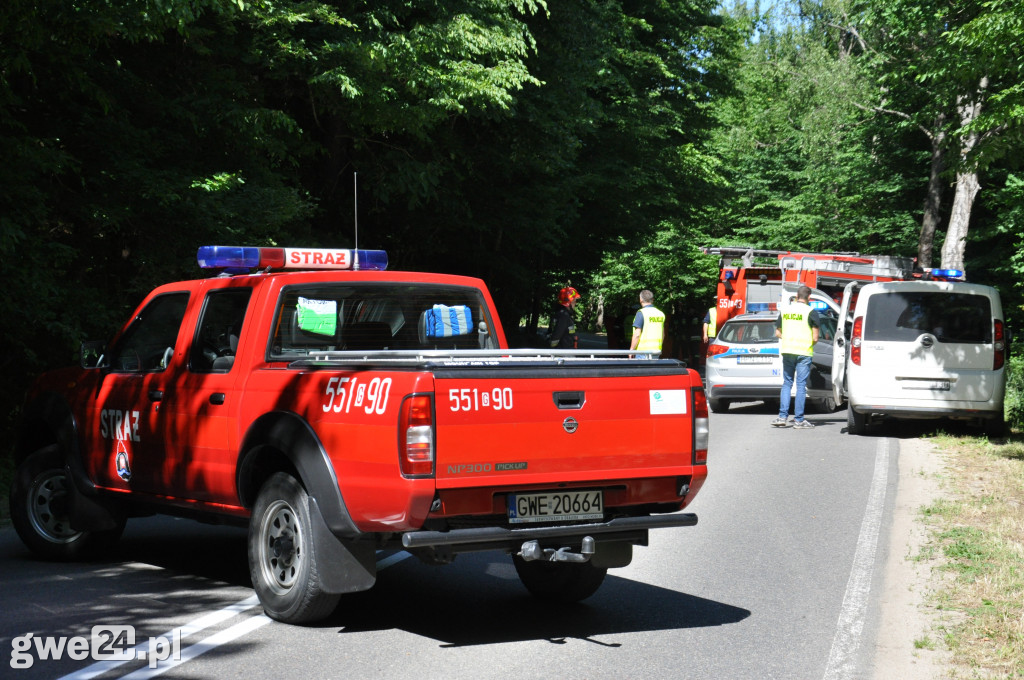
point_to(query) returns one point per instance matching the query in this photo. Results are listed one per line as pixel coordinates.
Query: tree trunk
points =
(967, 184)
(933, 200)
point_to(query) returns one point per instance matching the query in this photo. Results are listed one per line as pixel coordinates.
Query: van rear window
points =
(950, 317)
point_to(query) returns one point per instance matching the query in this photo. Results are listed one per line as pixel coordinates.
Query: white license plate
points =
(931, 385)
(555, 506)
(754, 360)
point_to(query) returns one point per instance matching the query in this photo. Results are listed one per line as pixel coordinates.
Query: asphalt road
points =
(780, 579)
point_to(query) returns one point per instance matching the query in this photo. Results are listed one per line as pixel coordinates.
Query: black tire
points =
(559, 581)
(994, 428)
(282, 555)
(40, 514)
(856, 423)
(719, 405)
(825, 405)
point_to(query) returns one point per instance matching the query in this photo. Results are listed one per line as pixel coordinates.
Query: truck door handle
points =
(217, 398)
(156, 395)
(569, 400)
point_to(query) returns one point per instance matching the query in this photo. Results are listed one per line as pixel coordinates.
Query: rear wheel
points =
(40, 496)
(856, 423)
(559, 581)
(995, 428)
(282, 557)
(719, 405)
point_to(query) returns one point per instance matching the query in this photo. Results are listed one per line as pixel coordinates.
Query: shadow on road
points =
(479, 601)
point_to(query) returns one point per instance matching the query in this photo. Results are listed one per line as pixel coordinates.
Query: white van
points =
(921, 349)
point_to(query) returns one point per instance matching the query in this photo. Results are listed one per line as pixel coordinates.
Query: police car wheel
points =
(282, 557)
(559, 581)
(718, 405)
(40, 510)
(856, 423)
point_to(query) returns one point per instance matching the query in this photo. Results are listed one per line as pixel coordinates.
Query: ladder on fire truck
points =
(827, 266)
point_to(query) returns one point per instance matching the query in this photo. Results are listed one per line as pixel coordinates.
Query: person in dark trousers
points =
(563, 325)
(797, 326)
(648, 327)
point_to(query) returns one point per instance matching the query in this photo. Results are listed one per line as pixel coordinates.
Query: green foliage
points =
(1014, 402)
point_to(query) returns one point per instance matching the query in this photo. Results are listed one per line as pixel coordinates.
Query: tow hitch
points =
(531, 551)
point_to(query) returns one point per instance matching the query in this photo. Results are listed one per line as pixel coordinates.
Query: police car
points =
(744, 364)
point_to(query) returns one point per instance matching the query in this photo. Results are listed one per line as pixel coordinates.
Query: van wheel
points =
(282, 557)
(994, 428)
(718, 405)
(559, 581)
(40, 513)
(856, 423)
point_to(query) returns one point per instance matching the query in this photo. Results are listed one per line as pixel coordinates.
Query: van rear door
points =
(928, 341)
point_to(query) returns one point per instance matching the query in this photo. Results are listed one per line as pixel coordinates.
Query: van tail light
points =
(416, 436)
(856, 339)
(999, 356)
(701, 429)
(714, 349)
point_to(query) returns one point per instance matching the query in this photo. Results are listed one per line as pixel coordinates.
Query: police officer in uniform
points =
(797, 325)
(648, 327)
(563, 327)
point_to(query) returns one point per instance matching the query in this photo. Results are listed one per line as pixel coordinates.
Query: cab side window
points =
(220, 324)
(148, 343)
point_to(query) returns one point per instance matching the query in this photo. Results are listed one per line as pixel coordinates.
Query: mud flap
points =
(345, 566)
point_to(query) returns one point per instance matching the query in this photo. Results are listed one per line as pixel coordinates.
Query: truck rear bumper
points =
(484, 538)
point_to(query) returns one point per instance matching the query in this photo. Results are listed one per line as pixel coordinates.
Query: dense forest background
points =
(532, 144)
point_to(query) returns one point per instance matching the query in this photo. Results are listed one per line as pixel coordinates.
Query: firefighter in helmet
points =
(563, 325)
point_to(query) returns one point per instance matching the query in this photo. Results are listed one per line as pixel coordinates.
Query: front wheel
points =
(39, 500)
(559, 581)
(856, 423)
(282, 555)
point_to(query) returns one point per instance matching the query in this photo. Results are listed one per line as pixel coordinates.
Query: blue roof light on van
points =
(948, 274)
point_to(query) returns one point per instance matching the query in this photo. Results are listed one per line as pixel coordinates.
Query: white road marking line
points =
(203, 646)
(212, 642)
(855, 602)
(203, 622)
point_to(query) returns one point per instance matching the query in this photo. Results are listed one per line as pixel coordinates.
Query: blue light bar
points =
(948, 273)
(245, 258)
(228, 257)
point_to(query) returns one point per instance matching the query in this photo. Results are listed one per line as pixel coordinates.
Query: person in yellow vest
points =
(797, 326)
(648, 327)
(710, 324)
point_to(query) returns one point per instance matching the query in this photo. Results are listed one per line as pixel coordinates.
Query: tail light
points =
(701, 430)
(856, 340)
(416, 436)
(714, 349)
(999, 357)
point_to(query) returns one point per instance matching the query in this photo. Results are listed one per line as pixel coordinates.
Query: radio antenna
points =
(355, 217)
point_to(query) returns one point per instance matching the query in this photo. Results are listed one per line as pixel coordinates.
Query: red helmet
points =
(568, 295)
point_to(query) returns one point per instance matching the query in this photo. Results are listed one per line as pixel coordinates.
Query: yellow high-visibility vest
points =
(797, 337)
(653, 332)
(712, 322)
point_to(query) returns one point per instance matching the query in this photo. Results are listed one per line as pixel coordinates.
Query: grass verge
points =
(978, 529)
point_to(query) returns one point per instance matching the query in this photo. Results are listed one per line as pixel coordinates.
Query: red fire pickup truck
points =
(338, 409)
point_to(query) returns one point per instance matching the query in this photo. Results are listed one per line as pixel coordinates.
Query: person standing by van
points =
(797, 325)
(648, 326)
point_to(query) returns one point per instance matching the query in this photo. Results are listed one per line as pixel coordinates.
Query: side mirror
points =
(92, 354)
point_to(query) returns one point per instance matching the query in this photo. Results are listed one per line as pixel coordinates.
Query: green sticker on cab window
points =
(319, 317)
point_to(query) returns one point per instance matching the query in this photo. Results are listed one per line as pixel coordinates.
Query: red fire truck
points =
(753, 280)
